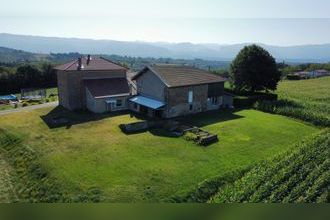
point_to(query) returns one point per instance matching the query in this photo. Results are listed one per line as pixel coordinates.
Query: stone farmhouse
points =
(163, 91)
(96, 84)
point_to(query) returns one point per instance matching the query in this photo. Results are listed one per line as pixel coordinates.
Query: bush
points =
(293, 77)
(251, 99)
(190, 136)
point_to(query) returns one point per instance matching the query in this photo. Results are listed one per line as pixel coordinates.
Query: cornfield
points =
(297, 177)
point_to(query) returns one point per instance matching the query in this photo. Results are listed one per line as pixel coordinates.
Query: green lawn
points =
(151, 166)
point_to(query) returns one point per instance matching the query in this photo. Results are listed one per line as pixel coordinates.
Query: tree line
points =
(14, 78)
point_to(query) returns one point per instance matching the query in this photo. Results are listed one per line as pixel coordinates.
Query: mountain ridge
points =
(184, 50)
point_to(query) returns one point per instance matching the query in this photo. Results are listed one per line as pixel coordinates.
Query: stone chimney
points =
(88, 59)
(79, 65)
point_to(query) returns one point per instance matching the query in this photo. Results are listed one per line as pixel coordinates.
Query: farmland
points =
(308, 100)
(299, 176)
(92, 160)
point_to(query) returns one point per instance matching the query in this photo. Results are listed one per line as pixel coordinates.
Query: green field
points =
(308, 100)
(151, 166)
(313, 94)
(300, 175)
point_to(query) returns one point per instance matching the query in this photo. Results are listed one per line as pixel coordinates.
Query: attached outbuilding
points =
(179, 90)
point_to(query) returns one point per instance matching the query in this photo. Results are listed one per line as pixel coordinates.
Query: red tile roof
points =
(96, 63)
(107, 87)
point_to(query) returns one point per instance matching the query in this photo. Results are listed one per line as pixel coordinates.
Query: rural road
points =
(28, 108)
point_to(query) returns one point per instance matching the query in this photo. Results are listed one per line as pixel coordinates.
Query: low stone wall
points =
(145, 125)
(134, 127)
(200, 136)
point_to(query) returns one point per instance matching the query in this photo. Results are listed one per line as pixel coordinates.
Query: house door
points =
(110, 106)
(158, 113)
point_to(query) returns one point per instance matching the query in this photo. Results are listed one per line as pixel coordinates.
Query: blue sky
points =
(277, 22)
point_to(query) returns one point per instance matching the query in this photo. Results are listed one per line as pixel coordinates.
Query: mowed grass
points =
(151, 166)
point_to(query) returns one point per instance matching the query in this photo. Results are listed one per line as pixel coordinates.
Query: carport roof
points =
(148, 102)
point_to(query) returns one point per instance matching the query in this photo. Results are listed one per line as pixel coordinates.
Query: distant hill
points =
(36, 44)
(13, 57)
(8, 55)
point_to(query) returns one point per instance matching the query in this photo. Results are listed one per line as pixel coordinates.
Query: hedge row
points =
(250, 100)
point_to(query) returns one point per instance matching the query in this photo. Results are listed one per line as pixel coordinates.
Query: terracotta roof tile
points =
(96, 63)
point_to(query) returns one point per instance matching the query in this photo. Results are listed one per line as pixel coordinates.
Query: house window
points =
(190, 97)
(135, 106)
(119, 103)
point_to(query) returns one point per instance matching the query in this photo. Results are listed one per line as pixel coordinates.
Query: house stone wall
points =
(177, 103)
(72, 92)
(62, 84)
(149, 85)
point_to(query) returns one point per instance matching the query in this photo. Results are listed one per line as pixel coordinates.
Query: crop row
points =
(299, 176)
(294, 109)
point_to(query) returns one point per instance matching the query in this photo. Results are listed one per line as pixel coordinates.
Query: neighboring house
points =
(93, 83)
(312, 74)
(170, 91)
(321, 73)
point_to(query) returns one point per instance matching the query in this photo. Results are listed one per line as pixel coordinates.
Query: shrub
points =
(190, 136)
(293, 77)
(250, 99)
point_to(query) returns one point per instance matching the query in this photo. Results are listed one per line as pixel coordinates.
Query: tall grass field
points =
(308, 100)
(297, 177)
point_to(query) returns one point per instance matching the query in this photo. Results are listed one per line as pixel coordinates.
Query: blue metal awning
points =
(150, 103)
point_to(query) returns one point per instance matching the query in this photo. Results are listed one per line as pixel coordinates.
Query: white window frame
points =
(190, 96)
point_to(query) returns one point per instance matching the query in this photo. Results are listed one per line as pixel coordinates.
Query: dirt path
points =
(7, 193)
(29, 108)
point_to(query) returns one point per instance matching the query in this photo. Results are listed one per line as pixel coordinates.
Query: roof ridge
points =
(73, 62)
(159, 76)
(106, 59)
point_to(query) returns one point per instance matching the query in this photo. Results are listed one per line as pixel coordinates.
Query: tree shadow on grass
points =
(60, 117)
